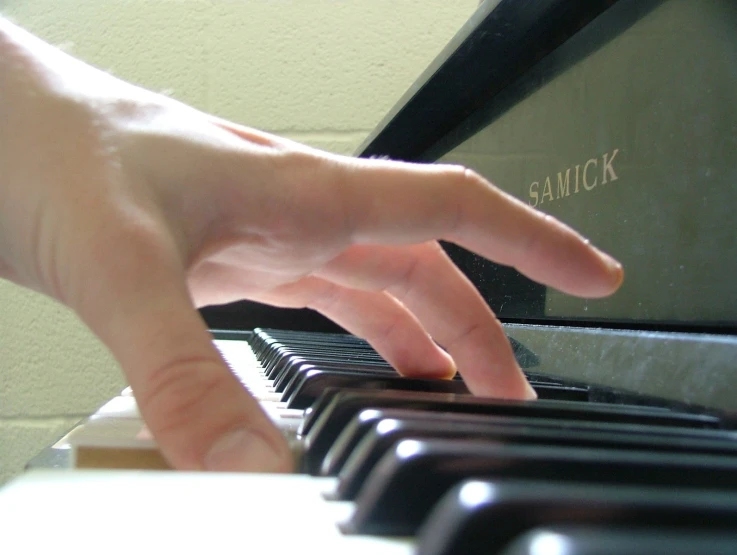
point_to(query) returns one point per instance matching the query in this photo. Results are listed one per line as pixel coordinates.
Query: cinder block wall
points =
(323, 72)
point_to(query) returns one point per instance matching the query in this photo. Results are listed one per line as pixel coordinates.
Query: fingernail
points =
(613, 265)
(244, 451)
(610, 262)
(530, 393)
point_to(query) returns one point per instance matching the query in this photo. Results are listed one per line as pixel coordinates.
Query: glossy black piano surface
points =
(620, 118)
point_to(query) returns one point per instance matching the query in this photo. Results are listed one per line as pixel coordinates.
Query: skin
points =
(133, 210)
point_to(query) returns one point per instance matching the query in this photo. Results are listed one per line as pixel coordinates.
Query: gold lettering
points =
(547, 190)
(564, 189)
(608, 168)
(584, 173)
(534, 186)
(586, 185)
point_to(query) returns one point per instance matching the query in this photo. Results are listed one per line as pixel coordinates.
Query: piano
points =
(616, 116)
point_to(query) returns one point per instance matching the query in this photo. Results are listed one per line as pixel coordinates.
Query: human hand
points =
(134, 209)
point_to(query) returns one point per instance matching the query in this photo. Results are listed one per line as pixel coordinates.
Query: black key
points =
(326, 345)
(305, 348)
(663, 437)
(385, 434)
(600, 540)
(333, 411)
(280, 360)
(310, 340)
(560, 392)
(353, 433)
(327, 350)
(551, 380)
(310, 336)
(290, 373)
(478, 516)
(416, 474)
(283, 365)
(310, 383)
(306, 336)
(271, 345)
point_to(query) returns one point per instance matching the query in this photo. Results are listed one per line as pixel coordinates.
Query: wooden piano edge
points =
(116, 437)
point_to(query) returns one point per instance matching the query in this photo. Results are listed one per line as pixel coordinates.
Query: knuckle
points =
(327, 298)
(407, 278)
(465, 178)
(315, 200)
(469, 187)
(388, 329)
(467, 334)
(534, 243)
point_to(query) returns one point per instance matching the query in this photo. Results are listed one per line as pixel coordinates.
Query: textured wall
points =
(323, 72)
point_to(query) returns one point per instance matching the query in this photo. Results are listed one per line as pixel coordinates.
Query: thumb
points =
(138, 303)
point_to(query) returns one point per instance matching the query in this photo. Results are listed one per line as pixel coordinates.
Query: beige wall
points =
(322, 72)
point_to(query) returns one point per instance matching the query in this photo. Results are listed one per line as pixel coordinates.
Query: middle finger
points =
(447, 304)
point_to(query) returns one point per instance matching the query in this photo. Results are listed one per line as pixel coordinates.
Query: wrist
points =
(14, 77)
(11, 57)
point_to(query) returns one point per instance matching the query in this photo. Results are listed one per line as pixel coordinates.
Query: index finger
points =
(399, 203)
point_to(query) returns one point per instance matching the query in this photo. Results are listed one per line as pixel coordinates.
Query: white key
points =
(246, 367)
(125, 512)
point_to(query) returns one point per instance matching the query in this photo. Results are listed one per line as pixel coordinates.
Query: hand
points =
(134, 209)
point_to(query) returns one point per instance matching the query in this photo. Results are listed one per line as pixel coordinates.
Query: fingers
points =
(136, 301)
(378, 317)
(389, 202)
(425, 280)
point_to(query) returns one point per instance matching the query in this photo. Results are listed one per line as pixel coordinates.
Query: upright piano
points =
(618, 117)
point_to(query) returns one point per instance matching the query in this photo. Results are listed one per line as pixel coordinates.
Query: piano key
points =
(270, 334)
(122, 406)
(416, 474)
(384, 434)
(178, 512)
(311, 340)
(710, 421)
(545, 379)
(283, 364)
(560, 392)
(334, 409)
(310, 384)
(286, 376)
(295, 366)
(346, 442)
(327, 342)
(601, 540)
(707, 441)
(478, 516)
(326, 348)
(366, 420)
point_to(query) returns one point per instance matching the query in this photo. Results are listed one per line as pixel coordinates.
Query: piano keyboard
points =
(395, 465)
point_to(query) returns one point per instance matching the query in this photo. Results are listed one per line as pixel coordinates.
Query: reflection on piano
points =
(615, 116)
